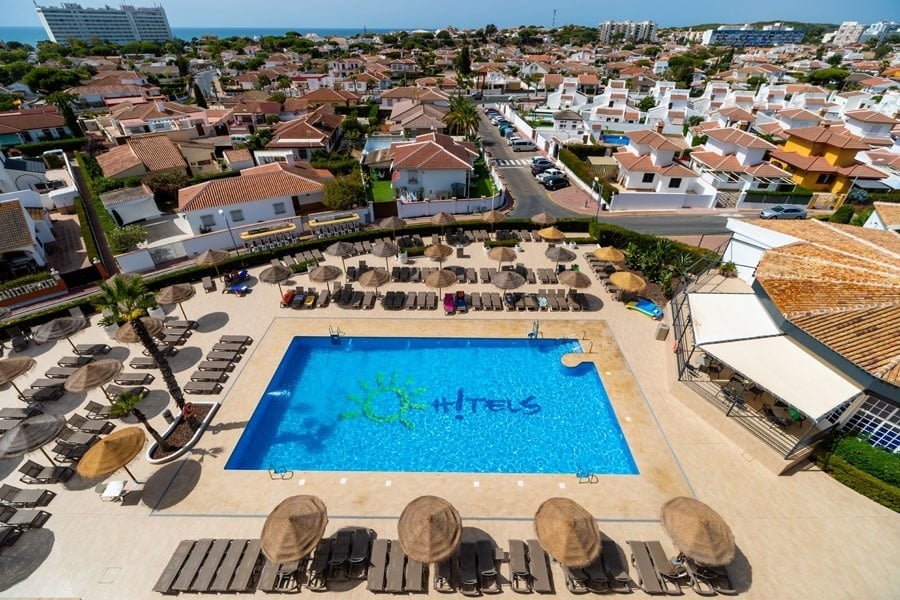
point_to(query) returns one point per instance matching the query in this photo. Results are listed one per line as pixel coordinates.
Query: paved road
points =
(205, 80)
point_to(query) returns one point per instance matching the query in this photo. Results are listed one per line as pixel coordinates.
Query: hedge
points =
(583, 151)
(38, 148)
(585, 172)
(859, 481)
(30, 278)
(842, 215)
(103, 217)
(863, 455)
(607, 234)
(90, 244)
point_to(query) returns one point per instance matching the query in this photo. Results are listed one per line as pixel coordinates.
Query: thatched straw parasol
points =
(176, 294)
(700, 533)
(393, 223)
(374, 278)
(628, 281)
(568, 532)
(440, 279)
(212, 258)
(293, 528)
(552, 234)
(385, 249)
(93, 375)
(574, 279)
(442, 219)
(11, 368)
(507, 280)
(112, 453)
(429, 529)
(324, 273)
(58, 329)
(341, 249)
(559, 254)
(492, 217)
(502, 254)
(31, 434)
(438, 252)
(609, 253)
(275, 274)
(127, 335)
(543, 219)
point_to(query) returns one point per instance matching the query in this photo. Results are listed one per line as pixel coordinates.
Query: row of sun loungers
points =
(208, 565)
(213, 371)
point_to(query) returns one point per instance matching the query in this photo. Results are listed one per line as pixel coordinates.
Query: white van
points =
(521, 145)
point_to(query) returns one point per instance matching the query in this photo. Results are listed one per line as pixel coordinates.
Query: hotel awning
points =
(737, 330)
(261, 233)
(339, 219)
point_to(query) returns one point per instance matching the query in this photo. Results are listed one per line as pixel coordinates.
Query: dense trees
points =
(344, 192)
(48, 80)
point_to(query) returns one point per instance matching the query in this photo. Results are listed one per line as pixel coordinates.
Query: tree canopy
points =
(344, 192)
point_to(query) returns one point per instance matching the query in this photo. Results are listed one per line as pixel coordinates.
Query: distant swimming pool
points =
(433, 405)
(616, 140)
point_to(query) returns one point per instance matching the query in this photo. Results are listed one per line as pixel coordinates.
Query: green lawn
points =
(483, 186)
(381, 191)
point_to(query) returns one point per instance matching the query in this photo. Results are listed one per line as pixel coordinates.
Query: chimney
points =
(289, 159)
(160, 106)
(826, 125)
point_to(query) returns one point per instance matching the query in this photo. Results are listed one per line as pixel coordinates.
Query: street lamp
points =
(596, 185)
(230, 232)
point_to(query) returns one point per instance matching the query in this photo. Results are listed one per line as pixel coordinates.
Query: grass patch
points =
(381, 191)
(483, 186)
(873, 472)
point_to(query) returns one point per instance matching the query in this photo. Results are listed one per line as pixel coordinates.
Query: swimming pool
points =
(433, 405)
(616, 140)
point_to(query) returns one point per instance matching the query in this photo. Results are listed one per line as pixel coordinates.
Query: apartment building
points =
(118, 25)
(644, 31)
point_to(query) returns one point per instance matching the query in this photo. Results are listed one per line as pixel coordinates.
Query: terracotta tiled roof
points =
(117, 160)
(149, 110)
(824, 135)
(238, 155)
(736, 113)
(125, 194)
(14, 230)
(308, 131)
(331, 96)
(269, 181)
(431, 151)
(652, 139)
(841, 285)
(797, 113)
(32, 118)
(644, 164)
(889, 212)
(157, 152)
(729, 162)
(870, 116)
(730, 135)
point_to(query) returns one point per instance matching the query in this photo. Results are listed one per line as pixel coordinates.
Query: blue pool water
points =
(433, 405)
(616, 140)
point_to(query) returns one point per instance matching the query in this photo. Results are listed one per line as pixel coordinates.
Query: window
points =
(824, 178)
(279, 208)
(207, 221)
(648, 178)
(236, 215)
(413, 177)
(880, 421)
(675, 182)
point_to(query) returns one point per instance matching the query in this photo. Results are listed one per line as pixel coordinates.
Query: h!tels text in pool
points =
(433, 405)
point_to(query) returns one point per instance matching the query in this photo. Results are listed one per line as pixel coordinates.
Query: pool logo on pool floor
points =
(405, 394)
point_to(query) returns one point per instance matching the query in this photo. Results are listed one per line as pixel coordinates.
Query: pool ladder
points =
(335, 334)
(535, 332)
(280, 473)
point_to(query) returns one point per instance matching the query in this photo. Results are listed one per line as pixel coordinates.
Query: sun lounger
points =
(17, 414)
(207, 572)
(246, 568)
(219, 355)
(519, 577)
(395, 569)
(142, 362)
(368, 300)
(338, 561)
(539, 569)
(91, 349)
(475, 299)
(576, 580)
(174, 339)
(405, 274)
(356, 300)
(530, 302)
(375, 577)
(191, 566)
(496, 300)
(23, 518)
(449, 304)
(316, 574)
(415, 576)
(63, 452)
(97, 411)
(215, 376)
(668, 573)
(648, 579)
(399, 301)
(164, 349)
(74, 361)
(133, 378)
(47, 383)
(229, 347)
(597, 578)
(59, 372)
(9, 535)
(707, 581)
(77, 438)
(485, 274)
(19, 498)
(208, 284)
(487, 568)
(203, 387)
(32, 472)
(115, 390)
(86, 425)
(410, 303)
(443, 577)
(616, 566)
(228, 566)
(244, 340)
(359, 552)
(388, 301)
(47, 394)
(173, 567)
(471, 276)
(274, 577)
(421, 300)
(468, 569)
(215, 365)
(323, 299)
(430, 300)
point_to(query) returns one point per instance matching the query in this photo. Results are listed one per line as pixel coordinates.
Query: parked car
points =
(541, 177)
(556, 182)
(541, 160)
(540, 167)
(783, 211)
(520, 145)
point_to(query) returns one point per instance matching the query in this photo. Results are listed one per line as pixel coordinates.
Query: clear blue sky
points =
(406, 14)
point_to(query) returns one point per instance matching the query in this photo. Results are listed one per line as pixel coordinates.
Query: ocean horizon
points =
(32, 35)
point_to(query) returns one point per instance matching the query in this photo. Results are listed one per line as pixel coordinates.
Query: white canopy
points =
(728, 317)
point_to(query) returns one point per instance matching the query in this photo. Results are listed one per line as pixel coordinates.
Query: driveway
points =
(515, 169)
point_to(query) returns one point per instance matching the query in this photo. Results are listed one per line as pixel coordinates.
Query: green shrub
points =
(859, 481)
(30, 278)
(104, 219)
(90, 245)
(695, 260)
(864, 456)
(842, 215)
(582, 151)
(38, 148)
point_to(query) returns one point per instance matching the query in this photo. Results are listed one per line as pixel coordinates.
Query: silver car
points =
(783, 211)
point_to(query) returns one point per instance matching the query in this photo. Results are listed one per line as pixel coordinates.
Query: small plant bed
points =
(182, 433)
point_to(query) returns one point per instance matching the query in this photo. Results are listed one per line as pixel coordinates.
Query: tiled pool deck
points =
(799, 536)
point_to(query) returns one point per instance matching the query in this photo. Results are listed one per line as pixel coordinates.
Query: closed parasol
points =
(700, 532)
(293, 528)
(429, 529)
(567, 531)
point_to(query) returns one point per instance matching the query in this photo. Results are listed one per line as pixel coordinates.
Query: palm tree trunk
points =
(165, 447)
(161, 360)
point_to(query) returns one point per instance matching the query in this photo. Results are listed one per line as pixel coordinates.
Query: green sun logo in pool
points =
(405, 395)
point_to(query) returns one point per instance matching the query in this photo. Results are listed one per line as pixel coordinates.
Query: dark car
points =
(556, 182)
(540, 167)
(783, 211)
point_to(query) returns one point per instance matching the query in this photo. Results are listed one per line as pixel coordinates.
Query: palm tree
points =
(462, 119)
(125, 404)
(126, 300)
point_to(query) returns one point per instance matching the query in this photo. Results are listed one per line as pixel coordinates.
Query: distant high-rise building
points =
(645, 31)
(879, 31)
(120, 26)
(848, 33)
(770, 35)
